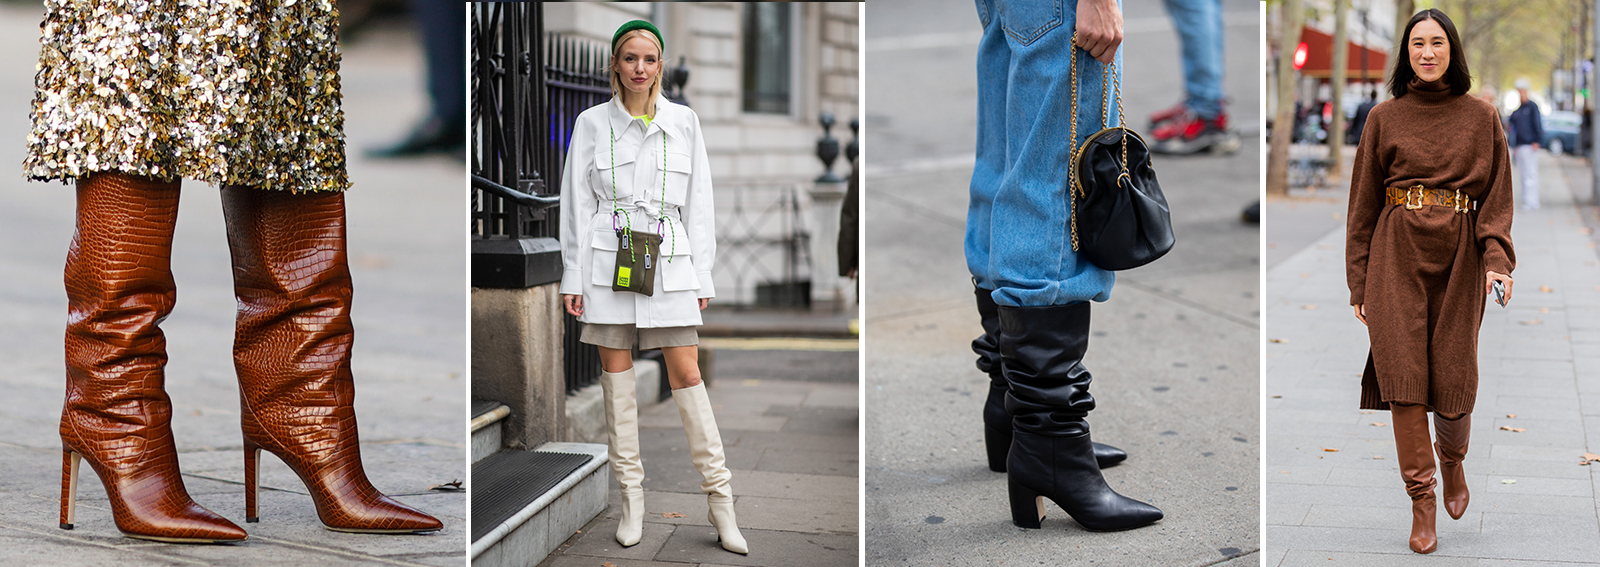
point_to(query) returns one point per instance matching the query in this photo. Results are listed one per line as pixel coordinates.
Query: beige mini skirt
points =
(649, 338)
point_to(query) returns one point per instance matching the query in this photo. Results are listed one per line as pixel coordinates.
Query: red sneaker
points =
(1189, 133)
(1167, 115)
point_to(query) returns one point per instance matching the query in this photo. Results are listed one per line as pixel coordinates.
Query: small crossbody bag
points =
(638, 253)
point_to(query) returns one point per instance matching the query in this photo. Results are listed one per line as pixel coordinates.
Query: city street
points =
(789, 419)
(1333, 488)
(1174, 352)
(407, 254)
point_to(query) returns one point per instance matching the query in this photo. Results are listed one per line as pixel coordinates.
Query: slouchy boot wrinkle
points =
(1417, 469)
(996, 420)
(292, 354)
(1453, 435)
(705, 449)
(117, 415)
(1042, 349)
(622, 428)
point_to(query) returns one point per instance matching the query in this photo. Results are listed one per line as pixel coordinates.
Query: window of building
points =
(768, 57)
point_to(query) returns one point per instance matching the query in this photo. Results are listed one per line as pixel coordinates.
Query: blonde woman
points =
(637, 184)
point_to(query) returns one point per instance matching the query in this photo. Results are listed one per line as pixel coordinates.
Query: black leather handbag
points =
(1120, 218)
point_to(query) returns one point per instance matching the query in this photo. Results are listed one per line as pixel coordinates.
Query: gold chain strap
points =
(1075, 189)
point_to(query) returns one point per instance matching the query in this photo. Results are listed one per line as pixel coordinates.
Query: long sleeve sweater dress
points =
(1420, 272)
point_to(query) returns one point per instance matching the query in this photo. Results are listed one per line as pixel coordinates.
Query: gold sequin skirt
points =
(235, 92)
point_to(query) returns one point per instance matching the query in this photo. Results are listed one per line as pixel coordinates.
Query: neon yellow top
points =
(646, 120)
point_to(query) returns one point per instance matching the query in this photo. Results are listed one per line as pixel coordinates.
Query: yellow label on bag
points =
(622, 275)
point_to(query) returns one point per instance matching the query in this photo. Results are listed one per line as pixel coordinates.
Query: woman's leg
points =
(1453, 433)
(1412, 445)
(705, 442)
(117, 415)
(619, 386)
(291, 351)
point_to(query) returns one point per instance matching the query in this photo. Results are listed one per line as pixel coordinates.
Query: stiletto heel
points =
(1027, 506)
(252, 455)
(69, 486)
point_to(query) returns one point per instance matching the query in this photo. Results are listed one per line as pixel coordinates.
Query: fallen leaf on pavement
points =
(1508, 481)
(1512, 415)
(1545, 289)
(1531, 322)
(1377, 458)
(672, 515)
(1277, 396)
(1330, 449)
(1309, 306)
(1378, 424)
(452, 486)
(1544, 309)
(608, 564)
(1279, 341)
(1590, 458)
(1513, 429)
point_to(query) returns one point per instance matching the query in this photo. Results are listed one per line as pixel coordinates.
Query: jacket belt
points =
(1416, 197)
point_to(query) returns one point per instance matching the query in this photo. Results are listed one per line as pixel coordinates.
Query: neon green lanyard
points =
(627, 219)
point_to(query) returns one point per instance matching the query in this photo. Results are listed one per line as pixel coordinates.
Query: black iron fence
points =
(528, 88)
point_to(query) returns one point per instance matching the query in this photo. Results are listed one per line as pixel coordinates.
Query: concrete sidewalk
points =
(792, 447)
(1532, 501)
(407, 253)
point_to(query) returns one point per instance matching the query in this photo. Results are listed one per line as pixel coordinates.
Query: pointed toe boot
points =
(117, 416)
(292, 354)
(996, 420)
(622, 429)
(1417, 469)
(705, 450)
(1451, 446)
(1051, 455)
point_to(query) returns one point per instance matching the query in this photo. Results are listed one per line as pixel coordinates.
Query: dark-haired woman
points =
(1429, 236)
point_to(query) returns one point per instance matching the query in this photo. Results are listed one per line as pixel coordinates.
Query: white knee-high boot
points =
(705, 449)
(622, 426)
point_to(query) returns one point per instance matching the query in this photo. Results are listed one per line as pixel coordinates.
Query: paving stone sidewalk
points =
(408, 263)
(1539, 359)
(792, 446)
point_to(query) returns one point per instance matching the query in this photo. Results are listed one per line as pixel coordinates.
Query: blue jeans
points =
(1199, 25)
(1018, 242)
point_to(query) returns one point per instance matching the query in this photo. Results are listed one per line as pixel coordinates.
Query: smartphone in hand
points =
(1500, 293)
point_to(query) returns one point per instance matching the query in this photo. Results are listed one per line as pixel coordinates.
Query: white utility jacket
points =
(635, 158)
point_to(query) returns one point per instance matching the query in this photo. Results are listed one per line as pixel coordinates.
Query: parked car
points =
(1561, 132)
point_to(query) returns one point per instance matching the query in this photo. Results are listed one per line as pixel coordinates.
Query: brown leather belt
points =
(1416, 197)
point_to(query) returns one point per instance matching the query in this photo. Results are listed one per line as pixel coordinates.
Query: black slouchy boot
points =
(996, 420)
(1051, 456)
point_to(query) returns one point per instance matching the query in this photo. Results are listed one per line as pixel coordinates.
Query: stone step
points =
(586, 410)
(486, 427)
(525, 503)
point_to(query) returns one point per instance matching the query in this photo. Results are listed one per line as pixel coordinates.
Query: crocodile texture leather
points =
(117, 416)
(292, 353)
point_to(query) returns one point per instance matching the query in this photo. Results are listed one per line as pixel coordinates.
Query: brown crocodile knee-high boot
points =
(1415, 451)
(117, 415)
(292, 353)
(1453, 435)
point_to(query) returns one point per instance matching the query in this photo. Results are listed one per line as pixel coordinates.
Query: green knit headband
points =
(638, 25)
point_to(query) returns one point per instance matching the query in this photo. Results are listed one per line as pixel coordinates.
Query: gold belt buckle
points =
(1414, 190)
(1461, 202)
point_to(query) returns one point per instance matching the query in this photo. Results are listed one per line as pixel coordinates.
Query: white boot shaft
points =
(705, 450)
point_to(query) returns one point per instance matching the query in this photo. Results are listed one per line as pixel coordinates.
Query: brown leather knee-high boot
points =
(292, 353)
(1415, 450)
(1452, 449)
(117, 415)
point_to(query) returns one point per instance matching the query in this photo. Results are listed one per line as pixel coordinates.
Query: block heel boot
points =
(1051, 455)
(622, 429)
(291, 351)
(705, 449)
(996, 420)
(1417, 469)
(1451, 446)
(117, 416)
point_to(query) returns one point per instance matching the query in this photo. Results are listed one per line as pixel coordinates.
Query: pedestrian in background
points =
(1527, 130)
(1428, 235)
(1200, 121)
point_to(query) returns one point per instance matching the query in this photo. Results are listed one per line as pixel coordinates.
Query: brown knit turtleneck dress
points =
(1420, 273)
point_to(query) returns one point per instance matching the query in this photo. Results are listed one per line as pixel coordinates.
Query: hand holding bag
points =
(1119, 216)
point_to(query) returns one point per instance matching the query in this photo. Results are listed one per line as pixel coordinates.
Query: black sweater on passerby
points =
(1527, 126)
